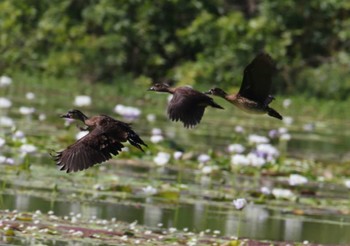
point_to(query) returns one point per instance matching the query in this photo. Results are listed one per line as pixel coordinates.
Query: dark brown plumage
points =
(253, 96)
(104, 139)
(187, 104)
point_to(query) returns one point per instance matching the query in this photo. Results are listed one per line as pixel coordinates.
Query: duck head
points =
(161, 87)
(216, 92)
(74, 114)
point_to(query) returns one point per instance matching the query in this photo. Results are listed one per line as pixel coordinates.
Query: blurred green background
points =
(193, 42)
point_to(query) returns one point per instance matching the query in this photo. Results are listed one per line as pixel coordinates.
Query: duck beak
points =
(207, 92)
(64, 116)
(151, 89)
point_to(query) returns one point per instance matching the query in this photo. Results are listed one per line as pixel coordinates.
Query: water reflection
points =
(257, 221)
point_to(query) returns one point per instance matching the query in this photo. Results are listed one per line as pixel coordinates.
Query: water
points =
(319, 214)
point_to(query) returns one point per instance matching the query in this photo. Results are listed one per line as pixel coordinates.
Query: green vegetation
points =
(193, 42)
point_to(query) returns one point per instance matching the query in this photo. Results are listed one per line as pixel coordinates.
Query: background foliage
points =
(207, 42)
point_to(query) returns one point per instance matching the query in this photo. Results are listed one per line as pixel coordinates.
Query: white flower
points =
(256, 139)
(2, 142)
(5, 103)
(151, 117)
(6, 160)
(27, 148)
(285, 137)
(82, 101)
(30, 95)
(149, 190)
(288, 120)
(282, 193)
(127, 112)
(207, 169)
(203, 158)
(287, 102)
(5, 81)
(309, 127)
(156, 138)
(296, 179)
(255, 160)
(81, 134)
(162, 158)
(177, 155)
(347, 183)
(19, 134)
(239, 159)
(268, 151)
(26, 110)
(6, 121)
(239, 129)
(282, 130)
(235, 148)
(239, 203)
(265, 190)
(156, 131)
(42, 117)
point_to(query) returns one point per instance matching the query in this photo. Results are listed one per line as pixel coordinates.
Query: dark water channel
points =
(256, 221)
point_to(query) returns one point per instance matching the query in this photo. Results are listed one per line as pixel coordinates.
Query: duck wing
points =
(257, 78)
(187, 106)
(96, 147)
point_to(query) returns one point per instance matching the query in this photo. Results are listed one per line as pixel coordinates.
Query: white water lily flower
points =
(257, 139)
(2, 142)
(27, 148)
(267, 151)
(6, 121)
(239, 159)
(5, 81)
(203, 158)
(81, 134)
(151, 117)
(287, 120)
(347, 183)
(161, 158)
(239, 129)
(42, 117)
(236, 148)
(282, 193)
(5, 103)
(18, 134)
(177, 155)
(30, 95)
(149, 190)
(285, 137)
(255, 161)
(287, 102)
(207, 169)
(265, 190)
(156, 138)
(82, 101)
(239, 203)
(26, 110)
(127, 112)
(296, 179)
(156, 131)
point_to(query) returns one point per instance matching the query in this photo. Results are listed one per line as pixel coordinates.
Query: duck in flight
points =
(187, 105)
(253, 96)
(104, 139)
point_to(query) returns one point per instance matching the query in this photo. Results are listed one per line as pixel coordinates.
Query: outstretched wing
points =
(257, 78)
(96, 147)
